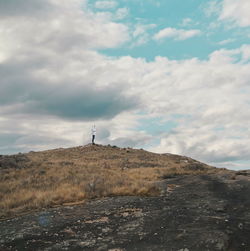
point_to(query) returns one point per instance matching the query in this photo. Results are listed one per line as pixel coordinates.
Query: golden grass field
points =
(74, 175)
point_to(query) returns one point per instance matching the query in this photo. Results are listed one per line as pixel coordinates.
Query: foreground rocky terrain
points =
(199, 212)
(194, 206)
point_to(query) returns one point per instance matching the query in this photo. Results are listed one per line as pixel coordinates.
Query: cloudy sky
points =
(163, 75)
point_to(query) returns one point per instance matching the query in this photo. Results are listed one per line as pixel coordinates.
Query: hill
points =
(55, 177)
(98, 197)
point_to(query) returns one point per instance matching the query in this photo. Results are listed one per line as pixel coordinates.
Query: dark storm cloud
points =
(25, 95)
(79, 103)
(15, 82)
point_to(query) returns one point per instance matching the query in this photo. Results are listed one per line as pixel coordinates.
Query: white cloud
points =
(212, 8)
(236, 11)
(141, 34)
(141, 29)
(186, 21)
(65, 27)
(177, 34)
(245, 52)
(105, 4)
(209, 96)
(121, 13)
(226, 41)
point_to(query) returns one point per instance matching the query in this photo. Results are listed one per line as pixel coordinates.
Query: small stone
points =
(105, 230)
(87, 243)
(116, 249)
(19, 236)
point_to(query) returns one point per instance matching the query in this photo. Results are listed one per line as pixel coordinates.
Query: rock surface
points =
(195, 212)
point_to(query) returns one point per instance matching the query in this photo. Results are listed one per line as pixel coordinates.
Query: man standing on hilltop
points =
(93, 131)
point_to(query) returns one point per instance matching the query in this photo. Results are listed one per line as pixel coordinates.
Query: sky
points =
(168, 76)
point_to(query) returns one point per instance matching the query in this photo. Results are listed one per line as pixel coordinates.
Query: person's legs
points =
(93, 139)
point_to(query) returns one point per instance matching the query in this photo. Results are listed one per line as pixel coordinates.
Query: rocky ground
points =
(195, 212)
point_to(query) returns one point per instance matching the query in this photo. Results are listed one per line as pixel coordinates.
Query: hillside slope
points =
(55, 177)
(108, 198)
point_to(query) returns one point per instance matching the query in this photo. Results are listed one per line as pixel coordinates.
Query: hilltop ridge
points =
(113, 154)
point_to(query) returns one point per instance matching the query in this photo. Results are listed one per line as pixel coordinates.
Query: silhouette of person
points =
(93, 131)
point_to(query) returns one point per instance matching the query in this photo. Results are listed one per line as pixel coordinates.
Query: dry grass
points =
(74, 175)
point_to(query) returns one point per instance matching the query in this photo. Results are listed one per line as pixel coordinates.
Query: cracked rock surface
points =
(195, 212)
